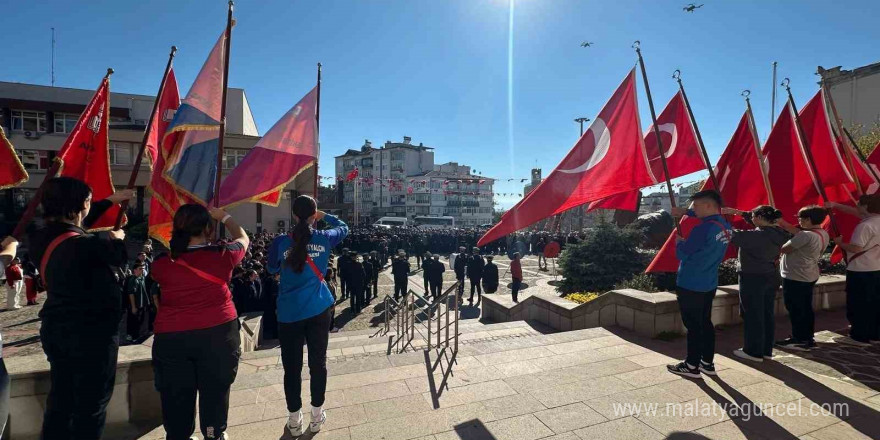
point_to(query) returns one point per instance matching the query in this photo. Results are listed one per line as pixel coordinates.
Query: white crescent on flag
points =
(670, 128)
(602, 139)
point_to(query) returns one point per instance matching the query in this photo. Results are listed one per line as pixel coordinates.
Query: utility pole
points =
(582, 211)
(581, 122)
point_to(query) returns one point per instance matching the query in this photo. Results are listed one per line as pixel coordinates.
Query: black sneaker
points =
(787, 343)
(682, 369)
(708, 368)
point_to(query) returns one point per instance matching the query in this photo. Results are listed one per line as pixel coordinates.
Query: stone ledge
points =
(646, 313)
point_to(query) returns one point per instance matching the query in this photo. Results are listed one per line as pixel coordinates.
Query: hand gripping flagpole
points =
(754, 131)
(140, 156)
(811, 162)
(677, 76)
(317, 130)
(31, 209)
(637, 47)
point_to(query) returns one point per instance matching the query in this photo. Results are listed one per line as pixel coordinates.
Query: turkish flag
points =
(682, 152)
(85, 154)
(608, 159)
(12, 172)
(164, 200)
(352, 175)
(740, 183)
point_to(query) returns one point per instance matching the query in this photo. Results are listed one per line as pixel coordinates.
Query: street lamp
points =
(581, 122)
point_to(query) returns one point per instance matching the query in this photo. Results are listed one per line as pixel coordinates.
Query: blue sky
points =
(438, 70)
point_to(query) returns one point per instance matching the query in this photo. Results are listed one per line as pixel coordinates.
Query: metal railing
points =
(431, 320)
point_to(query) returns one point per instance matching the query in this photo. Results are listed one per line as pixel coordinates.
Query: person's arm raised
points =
(235, 230)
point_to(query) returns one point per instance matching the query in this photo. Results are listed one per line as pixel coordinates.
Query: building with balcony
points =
(401, 180)
(37, 120)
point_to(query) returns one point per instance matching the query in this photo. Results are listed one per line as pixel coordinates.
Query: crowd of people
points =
(191, 297)
(772, 252)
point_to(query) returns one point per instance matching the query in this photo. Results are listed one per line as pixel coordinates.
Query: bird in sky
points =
(692, 7)
(587, 44)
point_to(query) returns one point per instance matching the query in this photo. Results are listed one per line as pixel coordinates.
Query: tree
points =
(866, 137)
(607, 256)
(496, 216)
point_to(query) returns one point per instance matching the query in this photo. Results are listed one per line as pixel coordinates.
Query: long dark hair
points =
(190, 220)
(303, 208)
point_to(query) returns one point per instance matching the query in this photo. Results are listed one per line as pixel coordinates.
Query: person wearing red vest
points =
(83, 307)
(516, 274)
(14, 283)
(196, 347)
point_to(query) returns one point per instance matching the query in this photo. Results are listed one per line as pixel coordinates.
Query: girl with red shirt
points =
(197, 346)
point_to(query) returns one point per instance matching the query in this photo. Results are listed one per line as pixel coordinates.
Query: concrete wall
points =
(647, 314)
(135, 400)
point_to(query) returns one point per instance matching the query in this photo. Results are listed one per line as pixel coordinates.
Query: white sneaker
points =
(295, 426)
(315, 425)
(741, 354)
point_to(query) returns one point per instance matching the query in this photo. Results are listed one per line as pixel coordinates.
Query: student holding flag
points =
(700, 255)
(83, 308)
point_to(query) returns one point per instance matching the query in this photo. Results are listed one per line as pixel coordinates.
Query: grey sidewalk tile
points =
(627, 428)
(569, 417)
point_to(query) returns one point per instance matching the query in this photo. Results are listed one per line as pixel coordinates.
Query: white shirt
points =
(802, 263)
(867, 236)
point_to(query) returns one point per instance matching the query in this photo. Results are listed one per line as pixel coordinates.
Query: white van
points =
(388, 222)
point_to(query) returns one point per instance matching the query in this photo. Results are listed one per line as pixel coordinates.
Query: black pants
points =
(475, 286)
(757, 295)
(83, 370)
(400, 289)
(514, 292)
(798, 297)
(203, 362)
(863, 304)
(5, 383)
(343, 286)
(436, 289)
(315, 334)
(427, 286)
(375, 287)
(357, 297)
(696, 315)
(460, 285)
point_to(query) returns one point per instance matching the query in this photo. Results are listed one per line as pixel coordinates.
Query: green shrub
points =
(831, 269)
(607, 256)
(641, 281)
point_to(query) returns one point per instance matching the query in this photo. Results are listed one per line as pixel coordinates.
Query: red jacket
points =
(13, 274)
(516, 269)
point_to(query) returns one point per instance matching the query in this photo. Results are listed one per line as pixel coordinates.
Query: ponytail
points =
(304, 207)
(179, 242)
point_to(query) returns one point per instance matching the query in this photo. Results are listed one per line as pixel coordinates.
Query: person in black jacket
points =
(460, 267)
(342, 267)
(435, 276)
(490, 276)
(400, 271)
(81, 315)
(270, 298)
(475, 273)
(426, 268)
(368, 277)
(356, 281)
(377, 268)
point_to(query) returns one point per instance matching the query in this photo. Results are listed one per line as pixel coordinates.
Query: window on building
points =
(120, 153)
(397, 155)
(34, 159)
(65, 122)
(29, 121)
(232, 157)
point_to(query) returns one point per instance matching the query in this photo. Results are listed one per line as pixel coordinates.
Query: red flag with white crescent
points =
(608, 159)
(12, 172)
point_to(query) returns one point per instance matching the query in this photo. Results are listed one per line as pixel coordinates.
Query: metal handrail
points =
(405, 319)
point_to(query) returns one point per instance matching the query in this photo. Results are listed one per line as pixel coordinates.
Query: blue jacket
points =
(302, 295)
(701, 254)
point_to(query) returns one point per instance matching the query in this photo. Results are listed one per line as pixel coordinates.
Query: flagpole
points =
(31, 209)
(761, 165)
(223, 108)
(140, 156)
(677, 76)
(318, 129)
(829, 102)
(637, 47)
(811, 162)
